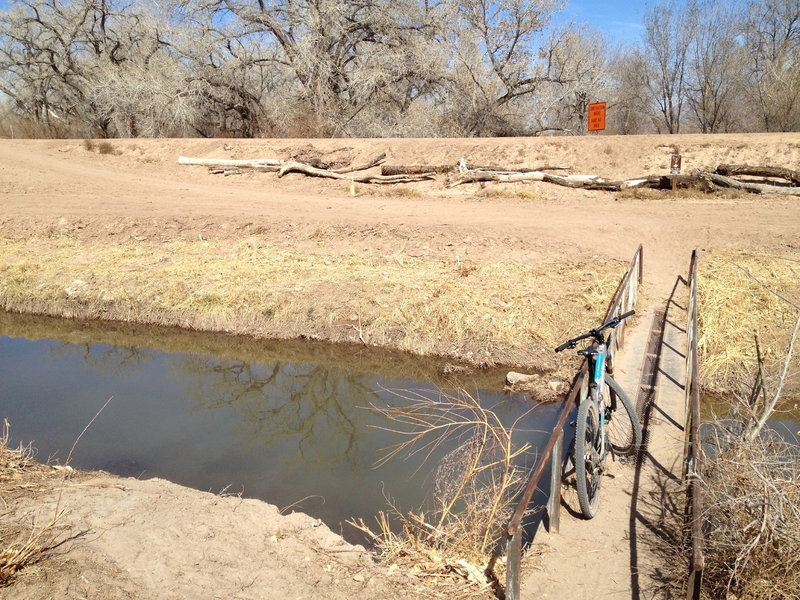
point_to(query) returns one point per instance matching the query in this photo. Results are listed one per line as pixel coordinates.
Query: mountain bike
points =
(600, 428)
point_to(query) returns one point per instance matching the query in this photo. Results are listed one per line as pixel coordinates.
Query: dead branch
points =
(780, 172)
(372, 163)
(297, 167)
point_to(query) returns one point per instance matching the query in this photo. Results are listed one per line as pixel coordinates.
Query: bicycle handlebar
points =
(595, 333)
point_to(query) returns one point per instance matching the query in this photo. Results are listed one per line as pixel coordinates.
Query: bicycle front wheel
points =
(623, 430)
(588, 454)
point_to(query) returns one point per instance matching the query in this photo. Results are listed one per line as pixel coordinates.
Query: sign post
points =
(597, 116)
(675, 169)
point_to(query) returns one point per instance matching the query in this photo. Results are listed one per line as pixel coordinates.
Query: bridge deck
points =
(611, 556)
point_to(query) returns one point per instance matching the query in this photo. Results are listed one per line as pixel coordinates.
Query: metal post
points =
(513, 559)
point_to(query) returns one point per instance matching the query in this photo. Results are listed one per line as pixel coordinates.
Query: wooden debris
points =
(416, 169)
(297, 167)
(253, 163)
(481, 176)
(753, 188)
(780, 172)
(372, 163)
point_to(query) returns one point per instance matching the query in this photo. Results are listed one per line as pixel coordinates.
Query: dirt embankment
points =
(486, 274)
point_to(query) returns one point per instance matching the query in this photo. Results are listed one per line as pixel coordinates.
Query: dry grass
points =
(642, 193)
(476, 484)
(21, 544)
(105, 148)
(736, 301)
(483, 313)
(752, 499)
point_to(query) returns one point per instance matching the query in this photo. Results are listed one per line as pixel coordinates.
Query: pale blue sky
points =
(621, 20)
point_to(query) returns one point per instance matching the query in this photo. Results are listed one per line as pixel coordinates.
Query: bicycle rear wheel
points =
(587, 456)
(623, 430)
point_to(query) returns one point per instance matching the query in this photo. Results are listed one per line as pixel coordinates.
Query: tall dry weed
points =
(475, 485)
(752, 518)
(21, 543)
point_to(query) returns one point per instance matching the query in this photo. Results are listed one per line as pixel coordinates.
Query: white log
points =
(226, 162)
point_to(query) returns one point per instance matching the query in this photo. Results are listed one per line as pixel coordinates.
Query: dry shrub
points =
(739, 294)
(476, 484)
(21, 544)
(105, 148)
(752, 519)
(88, 145)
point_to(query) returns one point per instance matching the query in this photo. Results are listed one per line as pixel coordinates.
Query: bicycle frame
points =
(596, 359)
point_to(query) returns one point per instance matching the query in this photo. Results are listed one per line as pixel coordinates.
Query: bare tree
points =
(715, 66)
(772, 39)
(668, 36)
(576, 60)
(339, 58)
(93, 67)
(633, 110)
(496, 63)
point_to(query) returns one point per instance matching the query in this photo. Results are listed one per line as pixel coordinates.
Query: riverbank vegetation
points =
(476, 484)
(26, 542)
(479, 312)
(743, 295)
(750, 476)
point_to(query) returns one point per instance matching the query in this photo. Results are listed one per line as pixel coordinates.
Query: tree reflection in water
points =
(122, 361)
(318, 405)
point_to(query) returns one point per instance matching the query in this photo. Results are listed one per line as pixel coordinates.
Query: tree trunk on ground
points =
(256, 163)
(779, 172)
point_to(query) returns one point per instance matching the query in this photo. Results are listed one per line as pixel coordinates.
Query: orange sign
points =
(597, 116)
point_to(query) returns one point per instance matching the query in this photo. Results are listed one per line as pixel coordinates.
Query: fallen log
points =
(386, 179)
(520, 170)
(415, 169)
(226, 162)
(753, 188)
(571, 181)
(297, 167)
(481, 176)
(779, 172)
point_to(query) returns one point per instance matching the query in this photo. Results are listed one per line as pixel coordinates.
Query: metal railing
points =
(693, 451)
(553, 454)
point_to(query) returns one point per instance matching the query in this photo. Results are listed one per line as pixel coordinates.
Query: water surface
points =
(296, 431)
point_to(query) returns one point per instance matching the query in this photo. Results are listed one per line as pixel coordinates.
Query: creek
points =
(290, 423)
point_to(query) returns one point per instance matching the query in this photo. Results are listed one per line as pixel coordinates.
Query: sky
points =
(621, 20)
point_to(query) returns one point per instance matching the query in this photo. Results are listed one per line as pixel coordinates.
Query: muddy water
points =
(288, 423)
